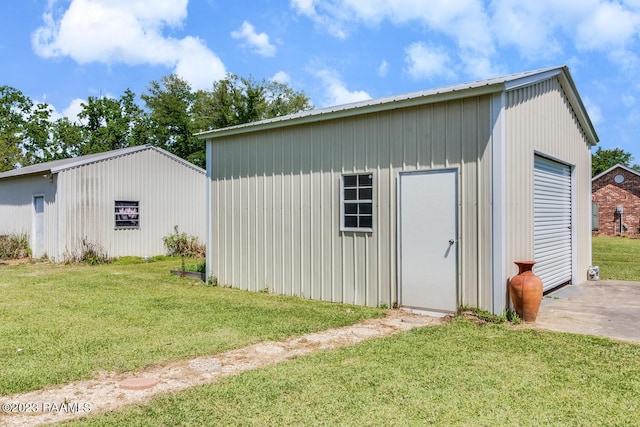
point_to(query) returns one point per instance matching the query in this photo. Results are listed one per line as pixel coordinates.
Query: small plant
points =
(184, 245)
(383, 305)
(213, 281)
(201, 267)
(485, 316)
(512, 316)
(88, 253)
(14, 246)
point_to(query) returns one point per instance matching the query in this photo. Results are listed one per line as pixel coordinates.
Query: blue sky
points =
(336, 51)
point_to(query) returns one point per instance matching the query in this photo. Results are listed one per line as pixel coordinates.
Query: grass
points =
(61, 323)
(457, 374)
(462, 373)
(617, 258)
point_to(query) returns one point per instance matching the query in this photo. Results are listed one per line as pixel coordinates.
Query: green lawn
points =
(460, 373)
(64, 323)
(456, 374)
(618, 258)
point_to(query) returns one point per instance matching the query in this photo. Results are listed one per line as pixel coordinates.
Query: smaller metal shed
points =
(422, 200)
(124, 200)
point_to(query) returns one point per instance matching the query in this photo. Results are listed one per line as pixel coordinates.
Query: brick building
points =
(616, 202)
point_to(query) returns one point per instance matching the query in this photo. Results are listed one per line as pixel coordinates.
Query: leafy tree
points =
(14, 109)
(237, 100)
(36, 143)
(109, 124)
(66, 139)
(174, 113)
(170, 102)
(604, 159)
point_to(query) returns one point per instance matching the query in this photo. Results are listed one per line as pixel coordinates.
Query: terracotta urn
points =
(526, 291)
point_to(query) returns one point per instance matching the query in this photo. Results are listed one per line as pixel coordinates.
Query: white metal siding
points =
(539, 119)
(552, 222)
(275, 201)
(16, 207)
(169, 194)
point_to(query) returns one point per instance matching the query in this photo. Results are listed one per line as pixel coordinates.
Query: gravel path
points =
(109, 391)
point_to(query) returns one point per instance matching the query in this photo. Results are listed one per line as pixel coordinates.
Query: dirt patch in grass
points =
(15, 261)
(104, 393)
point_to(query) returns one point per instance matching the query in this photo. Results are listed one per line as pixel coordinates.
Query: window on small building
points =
(594, 216)
(357, 202)
(127, 214)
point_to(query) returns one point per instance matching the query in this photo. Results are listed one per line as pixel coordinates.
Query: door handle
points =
(451, 242)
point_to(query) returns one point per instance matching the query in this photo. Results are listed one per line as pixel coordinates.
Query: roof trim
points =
(446, 93)
(73, 162)
(619, 165)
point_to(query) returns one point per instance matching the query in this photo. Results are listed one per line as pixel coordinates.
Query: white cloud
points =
(627, 60)
(259, 43)
(336, 92)
(540, 30)
(595, 113)
(464, 21)
(198, 65)
(607, 25)
(527, 25)
(281, 77)
(543, 28)
(383, 69)
(326, 21)
(128, 32)
(425, 62)
(73, 109)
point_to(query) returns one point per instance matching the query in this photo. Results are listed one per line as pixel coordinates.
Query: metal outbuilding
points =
(421, 200)
(124, 200)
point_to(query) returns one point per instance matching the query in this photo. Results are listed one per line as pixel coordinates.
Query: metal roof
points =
(56, 166)
(463, 90)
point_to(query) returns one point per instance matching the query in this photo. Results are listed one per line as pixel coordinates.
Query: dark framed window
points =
(127, 214)
(356, 201)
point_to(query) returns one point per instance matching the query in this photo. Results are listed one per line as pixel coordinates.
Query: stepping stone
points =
(138, 383)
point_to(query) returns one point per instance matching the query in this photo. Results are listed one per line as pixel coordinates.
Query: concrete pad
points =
(605, 308)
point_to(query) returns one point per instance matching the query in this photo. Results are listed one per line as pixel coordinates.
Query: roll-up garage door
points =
(552, 222)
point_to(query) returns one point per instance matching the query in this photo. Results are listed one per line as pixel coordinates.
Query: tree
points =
(174, 113)
(237, 100)
(604, 159)
(36, 144)
(66, 138)
(170, 102)
(14, 109)
(109, 124)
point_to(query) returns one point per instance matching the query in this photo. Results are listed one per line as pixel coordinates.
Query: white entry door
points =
(38, 226)
(428, 239)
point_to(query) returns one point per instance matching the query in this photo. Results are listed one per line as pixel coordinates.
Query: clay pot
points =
(526, 291)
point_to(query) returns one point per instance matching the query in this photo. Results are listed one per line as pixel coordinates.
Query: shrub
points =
(184, 245)
(14, 246)
(200, 267)
(88, 252)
